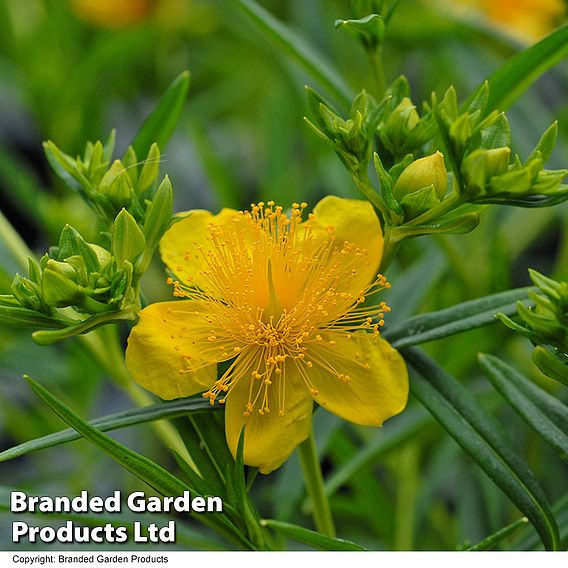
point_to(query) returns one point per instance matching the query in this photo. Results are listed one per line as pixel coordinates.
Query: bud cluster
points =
(438, 167)
(546, 325)
(79, 285)
(479, 145)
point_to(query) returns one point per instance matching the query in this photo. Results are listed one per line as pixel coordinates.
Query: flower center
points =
(275, 288)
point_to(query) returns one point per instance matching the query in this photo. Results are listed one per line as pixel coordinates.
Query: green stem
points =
(389, 251)
(404, 525)
(378, 70)
(14, 243)
(315, 487)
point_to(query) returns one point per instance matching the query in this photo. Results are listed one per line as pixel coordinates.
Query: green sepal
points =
(316, 103)
(369, 30)
(552, 365)
(497, 135)
(128, 240)
(158, 216)
(150, 169)
(398, 90)
(28, 293)
(116, 186)
(385, 186)
(130, 163)
(419, 202)
(545, 145)
(59, 288)
(71, 243)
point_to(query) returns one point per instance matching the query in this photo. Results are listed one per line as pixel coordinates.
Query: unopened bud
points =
(481, 165)
(59, 288)
(424, 172)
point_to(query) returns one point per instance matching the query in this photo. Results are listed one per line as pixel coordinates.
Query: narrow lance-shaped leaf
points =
(311, 538)
(457, 319)
(499, 536)
(504, 379)
(297, 48)
(509, 82)
(170, 409)
(483, 439)
(145, 469)
(159, 126)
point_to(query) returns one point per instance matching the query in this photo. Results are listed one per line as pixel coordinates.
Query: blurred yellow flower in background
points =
(527, 20)
(288, 305)
(195, 17)
(112, 13)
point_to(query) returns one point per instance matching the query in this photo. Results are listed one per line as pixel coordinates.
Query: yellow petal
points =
(179, 247)
(354, 220)
(269, 437)
(162, 355)
(363, 380)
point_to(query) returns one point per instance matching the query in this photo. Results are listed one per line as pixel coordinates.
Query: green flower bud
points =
(103, 255)
(27, 293)
(481, 165)
(59, 288)
(399, 124)
(422, 173)
(116, 185)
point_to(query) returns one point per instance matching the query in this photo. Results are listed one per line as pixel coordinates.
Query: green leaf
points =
(509, 82)
(297, 48)
(66, 169)
(145, 469)
(483, 439)
(22, 317)
(528, 201)
(548, 404)
(171, 409)
(499, 536)
(503, 378)
(456, 319)
(309, 537)
(128, 240)
(159, 126)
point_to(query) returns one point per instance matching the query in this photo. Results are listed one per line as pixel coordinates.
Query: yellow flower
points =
(528, 20)
(283, 301)
(112, 13)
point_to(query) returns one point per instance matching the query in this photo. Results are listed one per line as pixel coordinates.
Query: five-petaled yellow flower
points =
(288, 303)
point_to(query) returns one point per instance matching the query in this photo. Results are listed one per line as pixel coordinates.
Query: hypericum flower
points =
(289, 305)
(112, 13)
(527, 20)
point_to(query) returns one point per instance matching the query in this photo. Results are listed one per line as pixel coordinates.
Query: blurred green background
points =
(72, 70)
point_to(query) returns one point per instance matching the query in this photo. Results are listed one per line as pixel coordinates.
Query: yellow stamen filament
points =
(276, 287)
